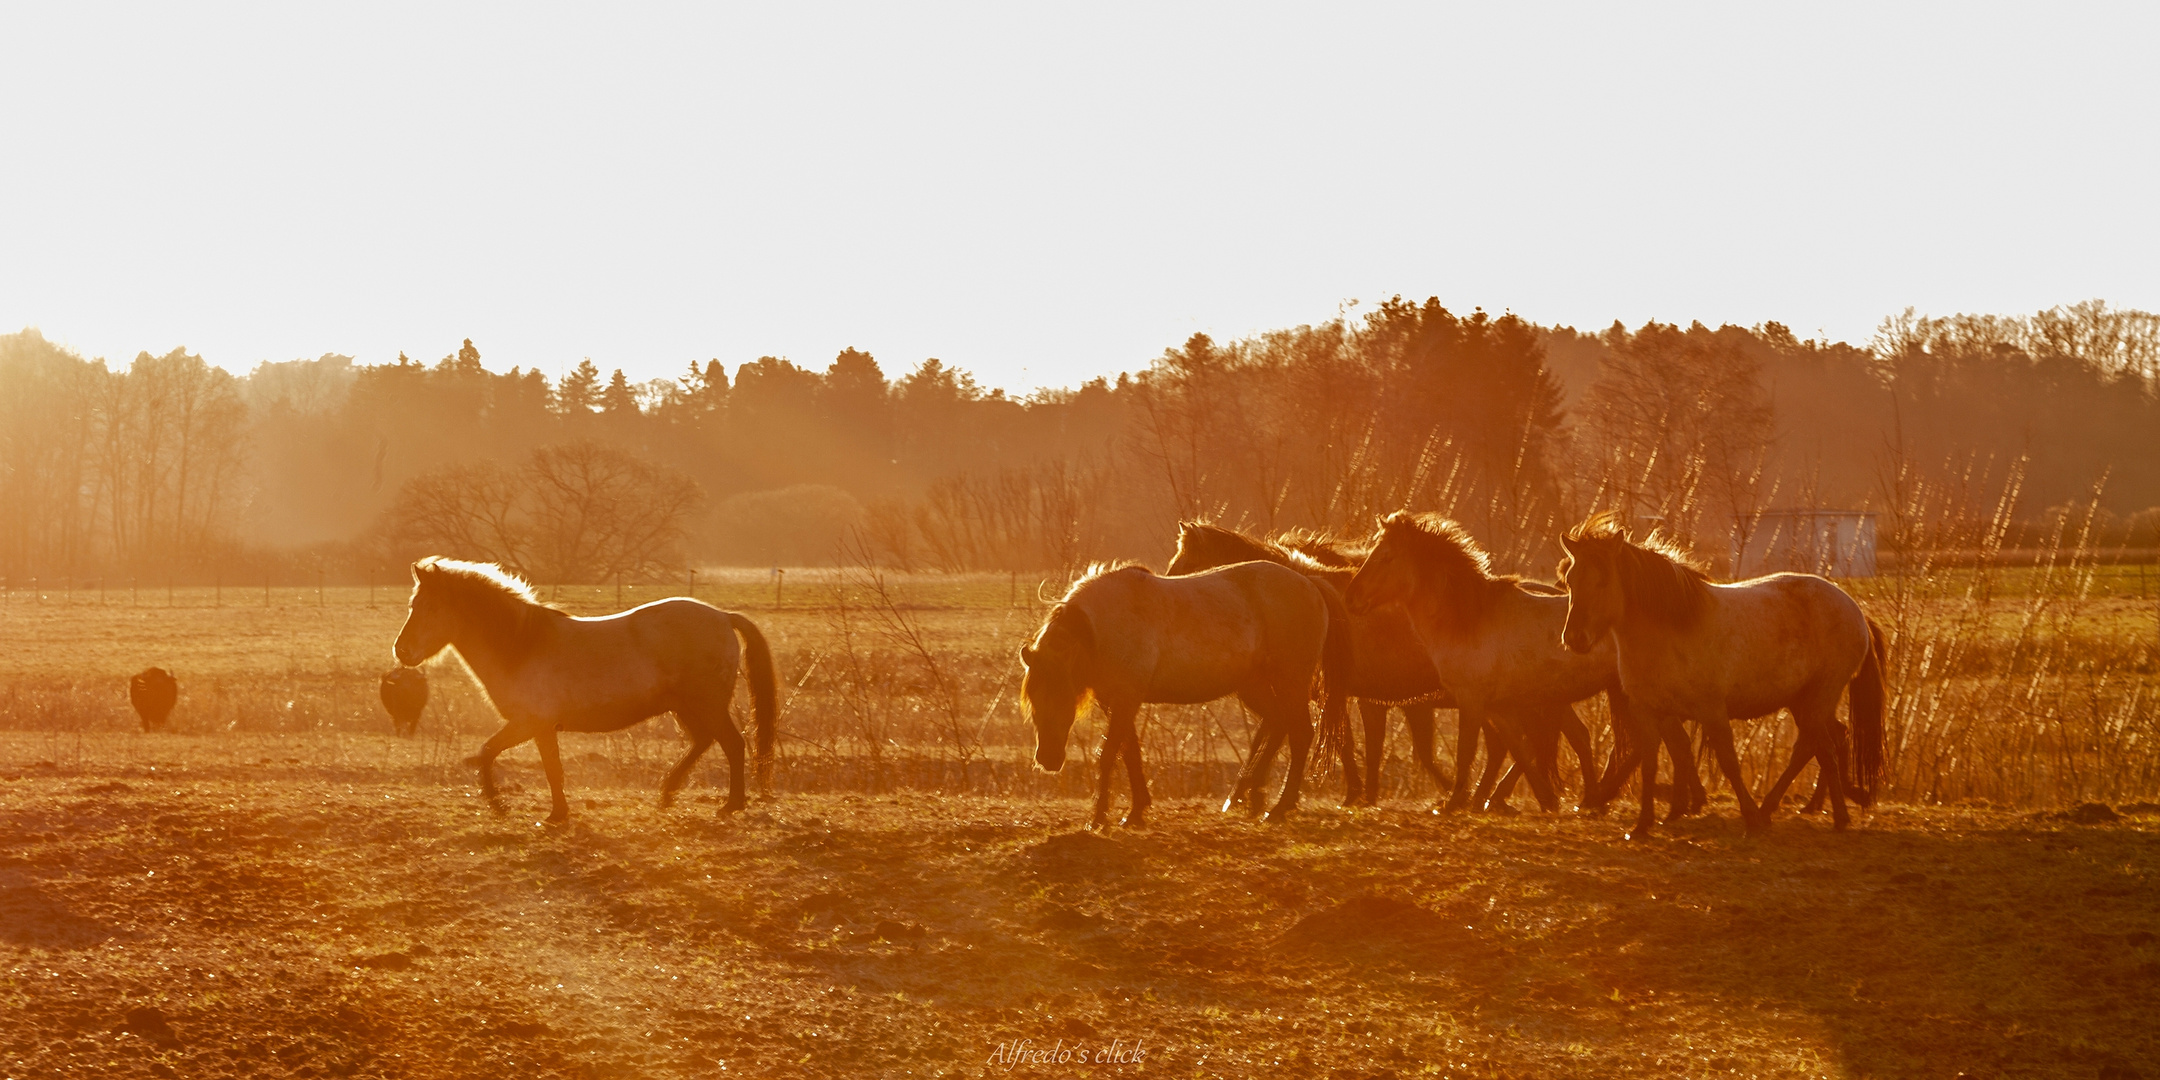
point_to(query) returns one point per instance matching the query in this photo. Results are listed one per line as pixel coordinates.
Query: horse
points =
(404, 697)
(1389, 668)
(1488, 637)
(1690, 649)
(1126, 637)
(153, 691)
(546, 671)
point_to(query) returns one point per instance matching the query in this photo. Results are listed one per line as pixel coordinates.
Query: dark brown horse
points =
(1690, 649)
(1126, 637)
(153, 692)
(404, 697)
(1485, 633)
(546, 671)
(1389, 669)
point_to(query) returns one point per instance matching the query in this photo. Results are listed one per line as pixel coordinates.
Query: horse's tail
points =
(1336, 660)
(1869, 710)
(764, 700)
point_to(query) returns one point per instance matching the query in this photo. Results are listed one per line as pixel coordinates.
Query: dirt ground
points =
(258, 911)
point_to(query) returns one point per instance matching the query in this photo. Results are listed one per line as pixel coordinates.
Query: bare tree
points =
(599, 512)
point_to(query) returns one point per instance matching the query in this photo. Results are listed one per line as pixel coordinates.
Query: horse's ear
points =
(423, 567)
(1027, 656)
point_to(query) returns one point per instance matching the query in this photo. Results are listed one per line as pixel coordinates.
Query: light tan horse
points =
(546, 671)
(1690, 649)
(1489, 637)
(1126, 638)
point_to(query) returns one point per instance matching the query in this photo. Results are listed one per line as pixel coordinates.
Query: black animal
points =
(404, 696)
(153, 692)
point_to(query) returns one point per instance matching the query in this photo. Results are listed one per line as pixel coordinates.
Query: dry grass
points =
(280, 888)
(334, 904)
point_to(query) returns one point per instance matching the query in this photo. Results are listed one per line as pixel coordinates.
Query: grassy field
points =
(278, 887)
(329, 904)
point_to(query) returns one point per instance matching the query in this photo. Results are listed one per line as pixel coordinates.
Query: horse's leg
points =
(1296, 721)
(1688, 798)
(731, 744)
(1843, 739)
(512, 733)
(1332, 709)
(1467, 728)
(1578, 739)
(1626, 754)
(1506, 734)
(1135, 773)
(1718, 731)
(1545, 743)
(1419, 719)
(1647, 737)
(1113, 743)
(1375, 717)
(1830, 772)
(1259, 758)
(551, 764)
(700, 731)
(1481, 796)
(1803, 751)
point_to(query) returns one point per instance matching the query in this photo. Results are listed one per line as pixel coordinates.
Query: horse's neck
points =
(1465, 603)
(489, 648)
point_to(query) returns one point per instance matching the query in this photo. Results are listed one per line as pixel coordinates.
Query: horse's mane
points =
(1311, 553)
(502, 605)
(1098, 570)
(1659, 578)
(1447, 551)
(1325, 549)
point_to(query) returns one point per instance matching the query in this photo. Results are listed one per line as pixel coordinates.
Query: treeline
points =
(171, 465)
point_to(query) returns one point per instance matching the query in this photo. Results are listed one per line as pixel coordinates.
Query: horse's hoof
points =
(1501, 808)
(1134, 820)
(559, 818)
(734, 806)
(1276, 816)
(1638, 835)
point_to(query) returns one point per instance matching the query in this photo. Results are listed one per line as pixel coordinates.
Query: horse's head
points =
(1590, 574)
(429, 617)
(1389, 574)
(1053, 690)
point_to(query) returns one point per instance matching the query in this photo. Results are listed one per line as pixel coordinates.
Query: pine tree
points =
(618, 400)
(579, 390)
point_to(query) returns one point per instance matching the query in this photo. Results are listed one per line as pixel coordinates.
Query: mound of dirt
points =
(1078, 856)
(2091, 813)
(1371, 922)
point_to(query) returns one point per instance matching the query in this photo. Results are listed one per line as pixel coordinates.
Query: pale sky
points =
(1040, 194)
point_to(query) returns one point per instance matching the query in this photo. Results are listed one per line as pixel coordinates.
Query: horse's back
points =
(644, 660)
(1785, 634)
(1198, 637)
